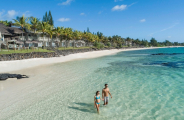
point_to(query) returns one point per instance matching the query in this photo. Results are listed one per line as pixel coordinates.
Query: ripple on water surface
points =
(66, 90)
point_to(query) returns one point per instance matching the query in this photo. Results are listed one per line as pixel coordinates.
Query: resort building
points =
(128, 43)
(13, 37)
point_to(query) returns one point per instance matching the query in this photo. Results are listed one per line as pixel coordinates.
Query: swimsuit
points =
(106, 99)
(97, 99)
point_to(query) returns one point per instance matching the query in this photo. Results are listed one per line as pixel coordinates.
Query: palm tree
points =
(129, 40)
(7, 23)
(68, 34)
(50, 31)
(77, 35)
(105, 40)
(34, 23)
(84, 36)
(91, 38)
(43, 26)
(22, 22)
(59, 31)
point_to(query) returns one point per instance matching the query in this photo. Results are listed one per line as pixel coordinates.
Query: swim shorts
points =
(106, 99)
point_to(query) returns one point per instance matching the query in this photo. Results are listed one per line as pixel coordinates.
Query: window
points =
(71, 44)
(63, 44)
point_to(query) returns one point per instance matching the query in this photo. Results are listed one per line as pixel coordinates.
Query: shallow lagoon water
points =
(141, 90)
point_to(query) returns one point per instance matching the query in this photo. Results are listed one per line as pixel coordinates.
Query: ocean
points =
(144, 85)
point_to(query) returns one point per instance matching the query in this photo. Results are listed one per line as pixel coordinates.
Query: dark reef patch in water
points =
(6, 76)
(179, 64)
(168, 54)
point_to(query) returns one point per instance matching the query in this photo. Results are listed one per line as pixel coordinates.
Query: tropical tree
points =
(59, 32)
(34, 23)
(105, 40)
(77, 35)
(22, 22)
(43, 27)
(7, 23)
(128, 40)
(91, 38)
(167, 43)
(137, 42)
(153, 42)
(50, 32)
(68, 35)
(145, 43)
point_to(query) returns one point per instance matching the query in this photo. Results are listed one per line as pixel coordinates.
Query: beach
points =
(9, 66)
(64, 87)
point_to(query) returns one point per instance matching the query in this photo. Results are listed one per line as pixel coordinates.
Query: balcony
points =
(42, 38)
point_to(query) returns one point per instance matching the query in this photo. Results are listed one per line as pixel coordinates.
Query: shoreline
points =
(10, 66)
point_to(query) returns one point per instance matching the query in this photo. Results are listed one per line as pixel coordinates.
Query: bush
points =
(109, 44)
(102, 45)
(120, 45)
(114, 45)
(98, 45)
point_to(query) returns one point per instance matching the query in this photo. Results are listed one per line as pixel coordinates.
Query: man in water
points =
(105, 94)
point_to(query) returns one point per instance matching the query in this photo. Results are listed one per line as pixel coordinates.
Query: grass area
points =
(69, 48)
(3, 51)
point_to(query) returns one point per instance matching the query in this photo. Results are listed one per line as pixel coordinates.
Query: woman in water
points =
(97, 100)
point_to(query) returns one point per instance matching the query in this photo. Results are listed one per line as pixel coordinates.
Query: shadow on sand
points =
(84, 107)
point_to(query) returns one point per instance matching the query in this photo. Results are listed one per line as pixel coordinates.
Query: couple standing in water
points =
(105, 97)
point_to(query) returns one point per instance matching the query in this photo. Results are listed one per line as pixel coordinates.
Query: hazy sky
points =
(161, 19)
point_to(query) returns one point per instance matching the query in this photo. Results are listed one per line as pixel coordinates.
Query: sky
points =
(142, 19)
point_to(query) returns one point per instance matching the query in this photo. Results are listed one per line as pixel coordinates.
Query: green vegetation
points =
(109, 44)
(98, 40)
(3, 51)
(98, 45)
(48, 18)
(22, 22)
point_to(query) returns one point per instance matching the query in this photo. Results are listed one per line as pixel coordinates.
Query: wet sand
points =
(9, 66)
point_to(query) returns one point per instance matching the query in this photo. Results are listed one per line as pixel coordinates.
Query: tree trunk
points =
(43, 38)
(22, 39)
(73, 44)
(65, 43)
(48, 41)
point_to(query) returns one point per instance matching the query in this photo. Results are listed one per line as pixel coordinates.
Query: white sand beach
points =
(9, 66)
(55, 87)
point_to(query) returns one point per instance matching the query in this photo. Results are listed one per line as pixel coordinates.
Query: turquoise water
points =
(143, 86)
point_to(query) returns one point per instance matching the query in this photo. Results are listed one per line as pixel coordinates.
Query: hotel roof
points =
(9, 30)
